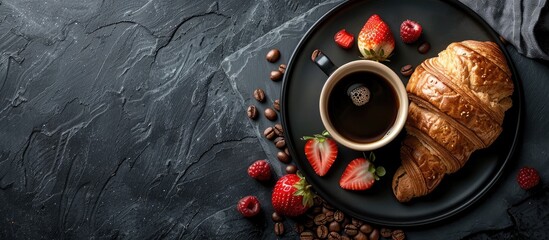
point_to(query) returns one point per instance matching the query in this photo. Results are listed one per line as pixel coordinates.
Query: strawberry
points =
(528, 178)
(292, 195)
(375, 40)
(321, 152)
(248, 206)
(360, 174)
(260, 170)
(344, 39)
(410, 31)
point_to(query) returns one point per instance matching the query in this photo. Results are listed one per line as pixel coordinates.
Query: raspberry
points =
(528, 178)
(410, 31)
(260, 170)
(248, 206)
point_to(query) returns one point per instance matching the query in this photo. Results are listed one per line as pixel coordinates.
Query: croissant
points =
(457, 105)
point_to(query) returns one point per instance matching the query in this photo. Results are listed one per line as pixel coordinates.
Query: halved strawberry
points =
(344, 39)
(360, 174)
(321, 151)
(375, 40)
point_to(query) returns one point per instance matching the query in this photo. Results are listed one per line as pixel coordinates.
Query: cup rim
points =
(386, 73)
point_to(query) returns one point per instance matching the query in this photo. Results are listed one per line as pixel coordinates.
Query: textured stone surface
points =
(117, 121)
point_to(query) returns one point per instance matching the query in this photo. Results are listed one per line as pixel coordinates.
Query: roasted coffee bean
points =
(309, 223)
(345, 237)
(269, 133)
(252, 112)
(259, 95)
(398, 235)
(322, 231)
(299, 228)
(279, 228)
(273, 55)
(270, 114)
(315, 54)
(306, 235)
(283, 157)
(407, 70)
(366, 228)
(374, 235)
(282, 68)
(316, 210)
(280, 142)
(334, 227)
(357, 222)
(339, 216)
(277, 217)
(328, 206)
(276, 75)
(351, 230)
(329, 216)
(334, 235)
(318, 201)
(320, 219)
(424, 48)
(361, 236)
(291, 169)
(279, 130)
(385, 232)
(276, 105)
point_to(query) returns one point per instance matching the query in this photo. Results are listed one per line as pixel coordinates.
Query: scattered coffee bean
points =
(252, 112)
(309, 223)
(329, 216)
(351, 230)
(318, 201)
(269, 133)
(291, 169)
(366, 228)
(270, 114)
(407, 70)
(299, 228)
(276, 75)
(279, 228)
(320, 219)
(357, 222)
(385, 232)
(374, 235)
(306, 235)
(281, 143)
(424, 48)
(334, 235)
(315, 54)
(279, 130)
(276, 105)
(398, 235)
(327, 206)
(361, 236)
(322, 231)
(282, 68)
(277, 217)
(334, 227)
(259, 95)
(316, 210)
(273, 55)
(283, 157)
(345, 237)
(339, 216)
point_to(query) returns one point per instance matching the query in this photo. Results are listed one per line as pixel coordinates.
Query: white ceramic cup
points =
(370, 66)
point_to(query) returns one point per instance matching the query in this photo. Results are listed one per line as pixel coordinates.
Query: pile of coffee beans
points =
(322, 221)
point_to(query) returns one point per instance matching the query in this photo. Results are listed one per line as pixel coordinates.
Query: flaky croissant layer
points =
(457, 105)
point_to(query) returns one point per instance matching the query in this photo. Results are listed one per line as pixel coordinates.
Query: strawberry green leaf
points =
(372, 157)
(380, 171)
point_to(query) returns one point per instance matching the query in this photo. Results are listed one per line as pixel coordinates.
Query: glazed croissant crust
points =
(457, 105)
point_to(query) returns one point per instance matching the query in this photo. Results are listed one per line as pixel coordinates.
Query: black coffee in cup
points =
(363, 106)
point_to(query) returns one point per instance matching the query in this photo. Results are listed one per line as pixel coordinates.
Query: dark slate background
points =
(117, 121)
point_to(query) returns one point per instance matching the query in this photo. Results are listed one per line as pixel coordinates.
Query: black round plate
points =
(443, 22)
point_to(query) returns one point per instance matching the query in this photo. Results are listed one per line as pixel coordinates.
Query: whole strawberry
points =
(528, 178)
(292, 195)
(248, 206)
(260, 170)
(375, 40)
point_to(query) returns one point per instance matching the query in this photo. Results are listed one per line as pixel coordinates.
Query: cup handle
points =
(323, 62)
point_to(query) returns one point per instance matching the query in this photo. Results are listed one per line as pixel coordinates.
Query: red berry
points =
(410, 31)
(260, 170)
(248, 206)
(344, 39)
(528, 178)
